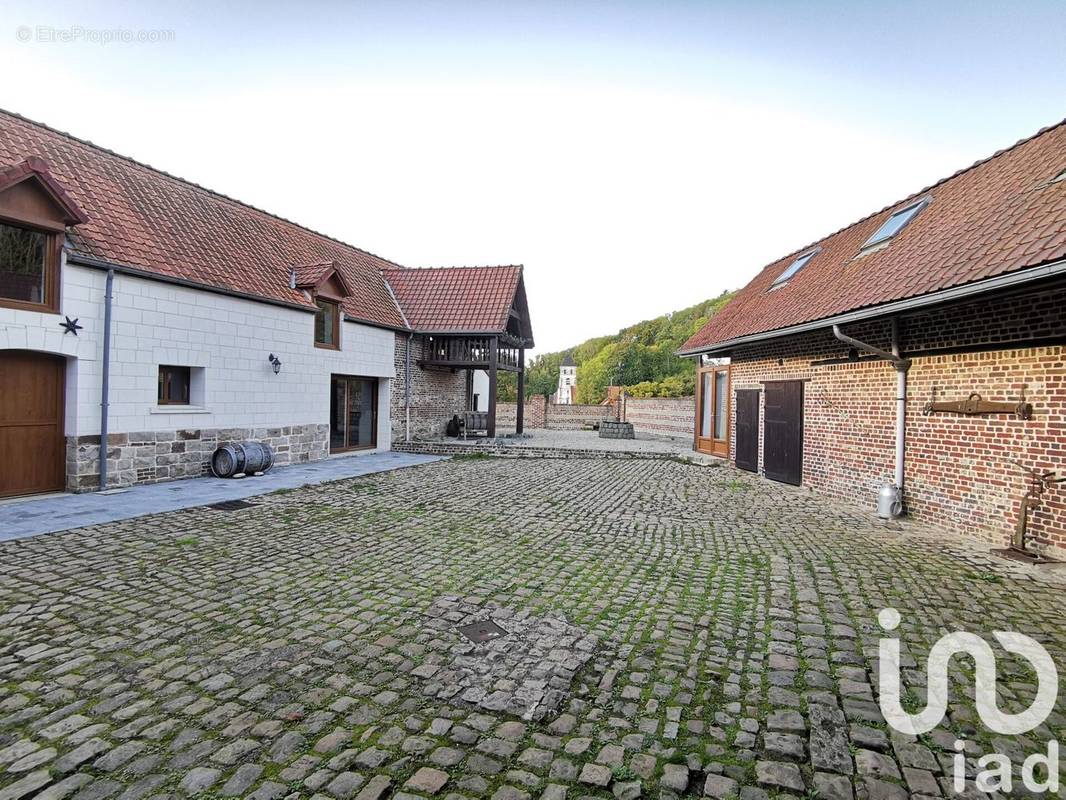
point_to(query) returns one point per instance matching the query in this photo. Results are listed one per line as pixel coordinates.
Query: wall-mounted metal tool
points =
(1039, 482)
(975, 404)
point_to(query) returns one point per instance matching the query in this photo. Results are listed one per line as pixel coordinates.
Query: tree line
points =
(641, 358)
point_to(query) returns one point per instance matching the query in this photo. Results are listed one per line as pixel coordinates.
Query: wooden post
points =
(519, 421)
(494, 356)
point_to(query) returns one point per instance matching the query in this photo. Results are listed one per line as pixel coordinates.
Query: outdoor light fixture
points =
(275, 362)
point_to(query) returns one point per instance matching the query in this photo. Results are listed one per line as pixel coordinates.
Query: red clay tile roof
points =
(146, 219)
(459, 299)
(1001, 215)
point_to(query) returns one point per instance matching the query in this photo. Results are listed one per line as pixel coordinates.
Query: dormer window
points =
(895, 223)
(34, 214)
(325, 285)
(327, 324)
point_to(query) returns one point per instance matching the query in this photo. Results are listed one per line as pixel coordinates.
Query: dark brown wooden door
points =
(747, 454)
(31, 423)
(782, 444)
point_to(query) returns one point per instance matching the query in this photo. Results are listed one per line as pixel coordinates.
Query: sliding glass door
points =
(353, 413)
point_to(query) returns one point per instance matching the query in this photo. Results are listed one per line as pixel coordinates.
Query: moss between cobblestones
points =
(687, 577)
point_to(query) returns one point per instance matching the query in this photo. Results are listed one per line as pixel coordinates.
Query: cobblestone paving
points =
(670, 631)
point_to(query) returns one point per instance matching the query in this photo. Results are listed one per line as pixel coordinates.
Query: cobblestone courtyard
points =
(667, 630)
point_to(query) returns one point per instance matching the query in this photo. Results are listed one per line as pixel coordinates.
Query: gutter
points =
(105, 384)
(902, 365)
(1021, 277)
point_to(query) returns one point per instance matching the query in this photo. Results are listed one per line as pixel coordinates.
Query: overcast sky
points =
(636, 157)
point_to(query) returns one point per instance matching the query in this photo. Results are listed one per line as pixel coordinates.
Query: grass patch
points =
(986, 577)
(472, 457)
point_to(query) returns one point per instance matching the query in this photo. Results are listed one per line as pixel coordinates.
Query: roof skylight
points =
(793, 268)
(895, 223)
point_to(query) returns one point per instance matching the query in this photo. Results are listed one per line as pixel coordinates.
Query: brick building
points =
(165, 319)
(843, 366)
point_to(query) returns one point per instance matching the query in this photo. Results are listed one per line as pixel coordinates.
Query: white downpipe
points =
(901, 408)
(902, 365)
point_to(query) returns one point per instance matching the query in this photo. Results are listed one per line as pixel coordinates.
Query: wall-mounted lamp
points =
(275, 362)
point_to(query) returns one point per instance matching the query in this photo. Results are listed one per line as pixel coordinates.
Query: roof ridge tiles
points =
(467, 266)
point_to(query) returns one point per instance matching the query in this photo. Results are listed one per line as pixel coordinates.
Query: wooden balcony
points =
(472, 352)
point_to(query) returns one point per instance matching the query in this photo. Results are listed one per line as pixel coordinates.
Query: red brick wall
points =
(958, 472)
(532, 413)
(662, 416)
(574, 417)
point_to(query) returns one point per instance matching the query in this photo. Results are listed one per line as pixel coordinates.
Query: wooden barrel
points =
(241, 457)
(258, 457)
(227, 461)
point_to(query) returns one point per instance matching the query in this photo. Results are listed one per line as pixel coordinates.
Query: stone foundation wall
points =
(154, 456)
(509, 451)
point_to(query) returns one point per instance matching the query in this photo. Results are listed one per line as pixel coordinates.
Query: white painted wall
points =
(481, 389)
(156, 323)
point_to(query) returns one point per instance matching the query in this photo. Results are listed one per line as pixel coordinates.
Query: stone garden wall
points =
(533, 413)
(574, 417)
(662, 416)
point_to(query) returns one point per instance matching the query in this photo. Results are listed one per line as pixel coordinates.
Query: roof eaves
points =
(1010, 279)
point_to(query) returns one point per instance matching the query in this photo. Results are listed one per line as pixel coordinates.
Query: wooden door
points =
(783, 432)
(747, 436)
(712, 411)
(32, 455)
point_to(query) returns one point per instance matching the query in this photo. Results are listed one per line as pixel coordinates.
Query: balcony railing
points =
(470, 351)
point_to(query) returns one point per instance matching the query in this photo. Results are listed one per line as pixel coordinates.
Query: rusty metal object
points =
(1039, 482)
(975, 404)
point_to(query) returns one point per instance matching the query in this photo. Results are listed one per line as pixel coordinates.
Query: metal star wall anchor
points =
(71, 326)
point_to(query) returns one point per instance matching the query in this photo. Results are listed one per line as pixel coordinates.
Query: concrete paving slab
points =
(58, 512)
